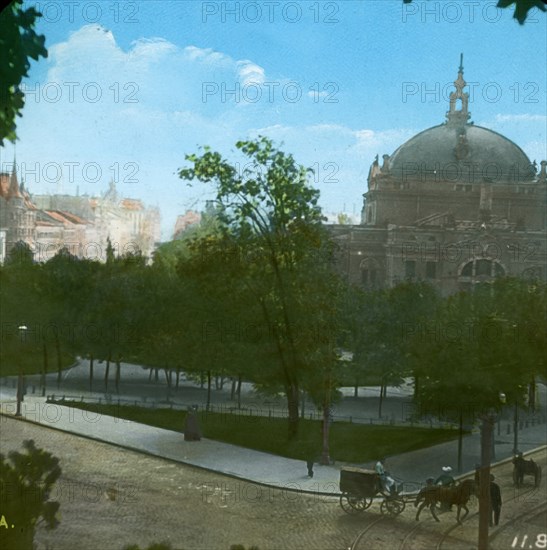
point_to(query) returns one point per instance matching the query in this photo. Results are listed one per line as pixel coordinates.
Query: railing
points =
(269, 412)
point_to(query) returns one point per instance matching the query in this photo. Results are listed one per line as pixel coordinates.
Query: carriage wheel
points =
(346, 506)
(352, 504)
(392, 506)
(537, 477)
(360, 503)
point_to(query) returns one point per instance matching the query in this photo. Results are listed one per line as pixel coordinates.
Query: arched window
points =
(478, 271)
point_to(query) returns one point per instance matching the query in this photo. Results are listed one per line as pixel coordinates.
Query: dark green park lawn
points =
(349, 442)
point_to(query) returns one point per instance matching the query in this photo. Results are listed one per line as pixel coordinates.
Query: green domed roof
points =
(463, 154)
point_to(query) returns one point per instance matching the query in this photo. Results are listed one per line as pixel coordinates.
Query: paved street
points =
(161, 500)
(151, 485)
(111, 497)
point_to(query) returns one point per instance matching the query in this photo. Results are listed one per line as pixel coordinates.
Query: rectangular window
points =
(410, 269)
(431, 270)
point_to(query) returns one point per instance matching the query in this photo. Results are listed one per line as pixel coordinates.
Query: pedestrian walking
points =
(309, 464)
(495, 501)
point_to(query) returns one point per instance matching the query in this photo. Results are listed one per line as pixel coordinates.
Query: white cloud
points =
(250, 73)
(153, 111)
(526, 117)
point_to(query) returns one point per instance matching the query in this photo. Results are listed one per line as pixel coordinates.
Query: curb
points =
(228, 474)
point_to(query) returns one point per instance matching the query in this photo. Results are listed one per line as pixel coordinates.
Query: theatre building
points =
(456, 205)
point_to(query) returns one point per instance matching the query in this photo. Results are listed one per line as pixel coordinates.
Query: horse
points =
(457, 495)
(524, 467)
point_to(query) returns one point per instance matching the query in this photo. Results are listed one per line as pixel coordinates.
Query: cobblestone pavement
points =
(112, 497)
(523, 514)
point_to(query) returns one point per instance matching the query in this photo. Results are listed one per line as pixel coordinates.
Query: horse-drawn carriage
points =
(359, 487)
(522, 467)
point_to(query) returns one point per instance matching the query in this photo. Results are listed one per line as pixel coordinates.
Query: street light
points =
(487, 453)
(20, 380)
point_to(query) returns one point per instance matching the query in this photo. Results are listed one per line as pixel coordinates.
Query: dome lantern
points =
(453, 116)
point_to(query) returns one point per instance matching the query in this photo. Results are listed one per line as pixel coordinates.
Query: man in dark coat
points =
(495, 501)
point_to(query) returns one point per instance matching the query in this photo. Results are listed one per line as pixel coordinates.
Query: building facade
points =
(456, 205)
(81, 224)
(17, 213)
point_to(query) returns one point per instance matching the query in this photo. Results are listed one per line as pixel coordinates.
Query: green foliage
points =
(522, 7)
(20, 255)
(479, 346)
(26, 480)
(380, 320)
(269, 265)
(18, 44)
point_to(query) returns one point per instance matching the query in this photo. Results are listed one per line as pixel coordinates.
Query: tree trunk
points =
(460, 442)
(380, 401)
(325, 456)
(239, 380)
(178, 378)
(356, 389)
(516, 429)
(532, 395)
(292, 402)
(208, 405)
(156, 374)
(150, 374)
(59, 360)
(233, 389)
(118, 374)
(44, 371)
(91, 373)
(106, 373)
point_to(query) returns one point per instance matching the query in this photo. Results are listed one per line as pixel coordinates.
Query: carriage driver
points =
(388, 483)
(445, 479)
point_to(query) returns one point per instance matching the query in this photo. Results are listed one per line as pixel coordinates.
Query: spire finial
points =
(462, 116)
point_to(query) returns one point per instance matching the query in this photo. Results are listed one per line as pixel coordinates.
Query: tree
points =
(271, 220)
(473, 358)
(27, 479)
(18, 44)
(522, 7)
(382, 321)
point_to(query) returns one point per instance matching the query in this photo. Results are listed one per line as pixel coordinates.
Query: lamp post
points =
(487, 453)
(20, 379)
(487, 429)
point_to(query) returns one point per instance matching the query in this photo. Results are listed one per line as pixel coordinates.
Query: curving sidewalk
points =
(255, 466)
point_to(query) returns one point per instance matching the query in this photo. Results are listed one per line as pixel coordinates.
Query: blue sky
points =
(129, 88)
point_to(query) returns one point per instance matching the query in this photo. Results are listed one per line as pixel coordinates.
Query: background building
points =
(17, 213)
(81, 224)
